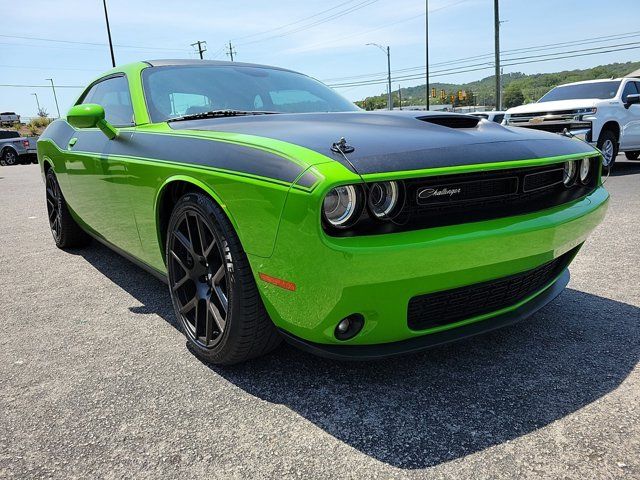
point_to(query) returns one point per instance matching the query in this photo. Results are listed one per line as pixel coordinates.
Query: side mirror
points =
(91, 115)
(632, 99)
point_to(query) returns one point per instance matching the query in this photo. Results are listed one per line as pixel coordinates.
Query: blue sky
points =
(327, 50)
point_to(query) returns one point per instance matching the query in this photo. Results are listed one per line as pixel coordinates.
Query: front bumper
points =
(376, 276)
(417, 344)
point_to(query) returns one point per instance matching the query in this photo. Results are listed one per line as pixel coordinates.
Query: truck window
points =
(599, 90)
(8, 134)
(629, 89)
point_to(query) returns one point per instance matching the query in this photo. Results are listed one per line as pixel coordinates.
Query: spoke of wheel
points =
(186, 243)
(190, 305)
(214, 314)
(200, 235)
(180, 282)
(177, 259)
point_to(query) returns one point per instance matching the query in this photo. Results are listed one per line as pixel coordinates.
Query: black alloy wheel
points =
(212, 285)
(198, 278)
(54, 206)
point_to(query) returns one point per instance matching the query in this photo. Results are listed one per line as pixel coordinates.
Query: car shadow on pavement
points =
(422, 410)
(620, 169)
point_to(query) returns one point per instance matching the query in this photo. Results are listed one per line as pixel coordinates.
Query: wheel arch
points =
(612, 126)
(8, 147)
(169, 193)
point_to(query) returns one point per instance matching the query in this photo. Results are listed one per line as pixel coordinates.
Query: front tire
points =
(632, 155)
(66, 232)
(608, 145)
(212, 287)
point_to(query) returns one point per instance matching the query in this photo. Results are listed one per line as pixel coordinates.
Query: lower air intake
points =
(450, 306)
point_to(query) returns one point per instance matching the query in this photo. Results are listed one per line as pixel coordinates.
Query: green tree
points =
(513, 96)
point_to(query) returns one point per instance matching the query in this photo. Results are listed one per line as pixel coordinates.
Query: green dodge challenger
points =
(276, 209)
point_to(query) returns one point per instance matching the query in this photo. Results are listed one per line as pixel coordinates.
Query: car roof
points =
(196, 62)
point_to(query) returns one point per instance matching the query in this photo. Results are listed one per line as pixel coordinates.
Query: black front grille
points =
(450, 306)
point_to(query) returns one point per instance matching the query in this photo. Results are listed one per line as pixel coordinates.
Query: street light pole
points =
(496, 22)
(426, 29)
(54, 95)
(37, 102)
(106, 17)
(388, 53)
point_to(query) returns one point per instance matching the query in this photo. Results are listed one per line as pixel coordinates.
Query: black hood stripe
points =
(398, 141)
(176, 148)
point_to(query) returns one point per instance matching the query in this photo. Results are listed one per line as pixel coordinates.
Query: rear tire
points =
(212, 287)
(9, 157)
(632, 155)
(66, 232)
(608, 145)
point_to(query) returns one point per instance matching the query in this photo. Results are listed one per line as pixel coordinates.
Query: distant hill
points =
(483, 91)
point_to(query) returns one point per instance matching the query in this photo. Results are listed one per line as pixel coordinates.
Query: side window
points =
(498, 118)
(113, 95)
(629, 89)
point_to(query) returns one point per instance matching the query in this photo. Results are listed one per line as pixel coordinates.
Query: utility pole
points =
(496, 24)
(106, 17)
(426, 30)
(400, 96)
(388, 52)
(201, 48)
(54, 95)
(37, 102)
(231, 52)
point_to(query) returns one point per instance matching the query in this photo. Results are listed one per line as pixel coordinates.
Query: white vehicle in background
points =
(9, 118)
(605, 113)
(493, 116)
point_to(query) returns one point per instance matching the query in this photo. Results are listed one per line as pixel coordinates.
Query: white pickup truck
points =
(605, 113)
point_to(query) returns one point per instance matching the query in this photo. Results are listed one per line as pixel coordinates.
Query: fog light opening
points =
(349, 326)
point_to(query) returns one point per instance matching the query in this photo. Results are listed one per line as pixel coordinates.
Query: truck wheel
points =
(632, 155)
(608, 145)
(9, 157)
(212, 286)
(66, 232)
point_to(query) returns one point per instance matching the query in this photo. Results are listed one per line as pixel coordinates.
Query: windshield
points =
(600, 90)
(173, 92)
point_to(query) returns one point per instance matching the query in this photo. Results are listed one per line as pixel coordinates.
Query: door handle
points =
(71, 143)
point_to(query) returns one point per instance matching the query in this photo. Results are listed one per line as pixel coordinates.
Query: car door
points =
(630, 127)
(97, 170)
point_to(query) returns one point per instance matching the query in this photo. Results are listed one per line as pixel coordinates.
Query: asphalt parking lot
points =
(96, 381)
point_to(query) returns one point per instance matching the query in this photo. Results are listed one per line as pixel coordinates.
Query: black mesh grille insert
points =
(450, 306)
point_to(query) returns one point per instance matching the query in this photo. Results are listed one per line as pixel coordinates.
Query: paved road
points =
(96, 381)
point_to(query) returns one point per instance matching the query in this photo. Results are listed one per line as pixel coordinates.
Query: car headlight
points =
(569, 173)
(383, 198)
(585, 170)
(586, 111)
(341, 206)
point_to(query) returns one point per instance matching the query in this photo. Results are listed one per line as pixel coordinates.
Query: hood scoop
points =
(452, 121)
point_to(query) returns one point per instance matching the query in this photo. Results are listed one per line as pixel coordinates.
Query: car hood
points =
(397, 141)
(559, 105)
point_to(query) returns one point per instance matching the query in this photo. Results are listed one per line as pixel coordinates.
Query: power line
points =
(487, 66)
(333, 16)
(202, 47)
(97, 44)
(507, 57)
(16, 85)
(294, 23)
(231, 51)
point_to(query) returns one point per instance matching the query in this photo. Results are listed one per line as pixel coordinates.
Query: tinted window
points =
(600, 90)
(113, 95)
(221, 87)
(9, 134)
(498, 118)
(629, 89)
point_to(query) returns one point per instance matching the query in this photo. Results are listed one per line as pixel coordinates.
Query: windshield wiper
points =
(220, 113)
